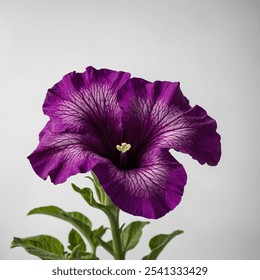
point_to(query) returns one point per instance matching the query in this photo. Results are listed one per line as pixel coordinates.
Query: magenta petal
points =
(45, 130)
(65, 154)
(151, 191)
(87, 103)
(157, 114)
(85, 124)
(93, 113)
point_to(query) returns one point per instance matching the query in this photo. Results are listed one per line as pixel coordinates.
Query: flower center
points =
(124, 147)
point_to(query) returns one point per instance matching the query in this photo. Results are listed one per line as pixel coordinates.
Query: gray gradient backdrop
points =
(211, 47)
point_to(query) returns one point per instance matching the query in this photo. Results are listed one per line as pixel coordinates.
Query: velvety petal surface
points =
(84, 127)
(151, 191)
(87, 103)
(61, 155)
(159, 115)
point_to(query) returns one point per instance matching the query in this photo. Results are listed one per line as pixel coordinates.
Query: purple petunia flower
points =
(122, 129)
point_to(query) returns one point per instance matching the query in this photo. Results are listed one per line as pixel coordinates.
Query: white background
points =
(211, 47)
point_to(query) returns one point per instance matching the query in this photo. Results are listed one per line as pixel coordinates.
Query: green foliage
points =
(105, 204)
(88, 196)
(108, 246)
(158, 243)
(76, 241)
(78, 255)
(78, 220)
(124, 237)
(97, 235)
(45, 247)
(132, 234)
(98, 188)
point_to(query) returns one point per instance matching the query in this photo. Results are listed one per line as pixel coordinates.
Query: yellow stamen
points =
(124, 147)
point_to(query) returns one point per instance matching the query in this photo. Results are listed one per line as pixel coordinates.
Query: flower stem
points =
(116, 236)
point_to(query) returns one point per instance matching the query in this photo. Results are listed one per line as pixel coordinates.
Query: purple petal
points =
(151, 191)
(45, 130)
(85, 124)
(87, 103)
(61, 155)
(157, 114)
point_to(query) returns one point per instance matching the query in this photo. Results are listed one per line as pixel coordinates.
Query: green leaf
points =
(108, 246)
(78, 247)
(132, 234)
(158, 243)
(110, 243)
(109, 208)
(122, 227)
(99, 231)
(75, 240)
(61, 214)
(98, 192)
(45, 247)
(77, 254)
(74, 255)
(88, 256)
(99, 189)
(88, 196)
(78, 220)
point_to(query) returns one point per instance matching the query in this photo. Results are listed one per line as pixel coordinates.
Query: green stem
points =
(94, 250)
(116, 235)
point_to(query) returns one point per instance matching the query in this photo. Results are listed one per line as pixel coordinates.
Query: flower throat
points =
(123, 148)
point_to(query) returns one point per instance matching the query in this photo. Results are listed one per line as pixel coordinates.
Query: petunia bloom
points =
(122, 128)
